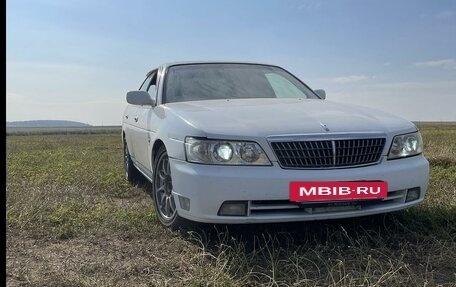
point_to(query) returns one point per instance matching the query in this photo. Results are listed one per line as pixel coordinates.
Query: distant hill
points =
(45, 124)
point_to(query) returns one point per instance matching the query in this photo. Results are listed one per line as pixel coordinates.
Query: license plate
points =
(302, 191)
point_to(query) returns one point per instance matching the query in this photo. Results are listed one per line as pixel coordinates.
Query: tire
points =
(165, 206)
(131, 173)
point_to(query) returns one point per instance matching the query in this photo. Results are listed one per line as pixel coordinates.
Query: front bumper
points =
(266, 189)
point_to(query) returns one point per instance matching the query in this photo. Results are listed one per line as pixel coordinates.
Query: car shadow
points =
(387, 230)
(290, 233)
(374, 230)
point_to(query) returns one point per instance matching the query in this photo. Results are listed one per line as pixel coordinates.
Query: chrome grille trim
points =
(328, 153)
(285, 206)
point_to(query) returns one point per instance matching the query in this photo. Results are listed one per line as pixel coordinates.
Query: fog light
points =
(233, 208)
(412, 194)
(184, 202)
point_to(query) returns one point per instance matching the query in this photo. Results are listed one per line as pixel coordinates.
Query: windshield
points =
(197, 82)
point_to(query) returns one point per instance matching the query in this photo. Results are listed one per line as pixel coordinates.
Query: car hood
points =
(244, 118)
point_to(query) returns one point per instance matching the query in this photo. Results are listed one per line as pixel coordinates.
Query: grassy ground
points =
(74, 221)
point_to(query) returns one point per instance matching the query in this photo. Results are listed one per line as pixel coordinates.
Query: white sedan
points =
(249, 143)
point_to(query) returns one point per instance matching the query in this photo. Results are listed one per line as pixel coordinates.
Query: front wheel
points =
(165, 205)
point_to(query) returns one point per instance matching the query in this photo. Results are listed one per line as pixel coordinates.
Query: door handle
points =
(136, 119)
(126, 117)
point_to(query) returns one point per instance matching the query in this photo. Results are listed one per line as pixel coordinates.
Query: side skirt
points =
(143, 170)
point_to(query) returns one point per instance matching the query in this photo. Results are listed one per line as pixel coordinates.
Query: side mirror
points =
(140, 98)
(321, 93)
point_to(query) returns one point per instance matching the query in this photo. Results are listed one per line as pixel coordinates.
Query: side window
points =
(152, 86)
(145, 84)
(284, 88)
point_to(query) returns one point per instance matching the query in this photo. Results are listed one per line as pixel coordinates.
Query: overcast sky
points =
(76, 59)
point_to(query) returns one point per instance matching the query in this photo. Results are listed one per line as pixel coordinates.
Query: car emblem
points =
(324, 127)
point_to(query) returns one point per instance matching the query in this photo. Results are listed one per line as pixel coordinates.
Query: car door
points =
(131, 118)
(128, 127)
(142, 131)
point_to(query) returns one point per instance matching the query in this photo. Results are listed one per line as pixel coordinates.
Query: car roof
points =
(167, 65)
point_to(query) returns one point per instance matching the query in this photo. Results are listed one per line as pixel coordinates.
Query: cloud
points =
(414, 100)
(309, 5)
(446, 14)
(15, 97)
(350, 79)
(445, 63)
(85, 93)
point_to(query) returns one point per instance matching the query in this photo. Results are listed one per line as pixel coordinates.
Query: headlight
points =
(406, 145)
(224, 152)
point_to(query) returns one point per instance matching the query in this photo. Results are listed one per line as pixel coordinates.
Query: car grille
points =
(328, 153)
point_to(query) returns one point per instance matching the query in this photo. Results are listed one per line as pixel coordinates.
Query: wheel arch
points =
(157, 144)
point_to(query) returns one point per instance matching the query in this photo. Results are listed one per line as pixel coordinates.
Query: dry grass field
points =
(73, 220)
